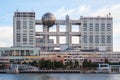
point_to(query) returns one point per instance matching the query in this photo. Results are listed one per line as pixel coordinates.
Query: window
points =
(31, 27)
(24, 23)
(31, 43)
(102, 27)
(102, 38)
(24, 34)
(31, 18)
(96, 38)
(31, 34)
(90, 27)
(84, 26)
(18, 24)
(84, 47)
(91, 39)
(31, 31)
(24, 18)
(30, 39)
(90, 47)
(25, 27)
(108, 38)
(31, 22)
(85, 38)
(18, 37)
(96, 27)
(108, 27)
(24, 39)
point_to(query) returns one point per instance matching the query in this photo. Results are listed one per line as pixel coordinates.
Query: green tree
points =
(106, 60)
(76, 64)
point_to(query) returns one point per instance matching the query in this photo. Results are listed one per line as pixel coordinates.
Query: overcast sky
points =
(60, 8)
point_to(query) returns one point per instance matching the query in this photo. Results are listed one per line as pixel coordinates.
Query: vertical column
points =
(46, 36)
(119, 68)
(80, 33)
(57, 37)
(24, 52)
(70, 37)
(57, 27)
(67, 30)
(80, 40)
(19, 53)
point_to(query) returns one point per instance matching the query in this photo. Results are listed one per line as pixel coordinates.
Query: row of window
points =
(24, 39)
(103, 39)
(97, 27)
(97, 18)
(25, 23)
(97, 48)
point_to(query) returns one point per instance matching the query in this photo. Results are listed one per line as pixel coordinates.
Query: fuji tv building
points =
(93, 33)
(85, 36)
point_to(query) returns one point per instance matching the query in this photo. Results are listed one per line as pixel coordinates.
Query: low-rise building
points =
(16, 54)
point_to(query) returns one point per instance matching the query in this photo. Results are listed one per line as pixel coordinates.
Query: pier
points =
(46, 71)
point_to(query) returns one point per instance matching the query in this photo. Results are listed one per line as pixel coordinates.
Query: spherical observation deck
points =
(48, 19)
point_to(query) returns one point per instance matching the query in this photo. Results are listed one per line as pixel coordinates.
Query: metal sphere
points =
(48, 19)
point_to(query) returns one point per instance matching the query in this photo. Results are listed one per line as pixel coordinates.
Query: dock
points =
(46, 71)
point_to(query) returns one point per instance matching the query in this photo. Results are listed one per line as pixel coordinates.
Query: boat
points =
(13, 69)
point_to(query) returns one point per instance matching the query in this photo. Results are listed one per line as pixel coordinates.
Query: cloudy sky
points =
(60, 8)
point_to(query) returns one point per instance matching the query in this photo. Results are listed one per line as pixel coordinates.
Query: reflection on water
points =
(59, 76)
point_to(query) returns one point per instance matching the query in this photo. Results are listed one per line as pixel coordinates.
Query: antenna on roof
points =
(106, 15)
(109, 14)
(32, 10)
(17, 10)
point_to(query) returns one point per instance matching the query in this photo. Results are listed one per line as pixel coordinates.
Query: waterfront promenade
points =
(45, 71)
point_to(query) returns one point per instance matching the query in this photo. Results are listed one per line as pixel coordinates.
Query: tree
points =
(76, 64)
(34, 63)
(106, 60)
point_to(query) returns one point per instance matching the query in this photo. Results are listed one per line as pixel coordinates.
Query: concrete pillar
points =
(109, 69)
(67, 29)
(70, 27)
(13, 53)
(119, 69)
(46, 36)
(57, 28)
(57, 40)
(24, 52)
(79, 28)
(19, 52)
(57, 37)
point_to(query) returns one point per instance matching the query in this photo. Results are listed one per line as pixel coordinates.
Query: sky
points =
(60, 8)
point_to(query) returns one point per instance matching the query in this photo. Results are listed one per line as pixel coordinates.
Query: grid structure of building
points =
(24, 29)
(94, 33)
(97, 33)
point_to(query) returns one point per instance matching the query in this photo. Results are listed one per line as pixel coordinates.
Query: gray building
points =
(97, 33)
(93, 33)
(24, 29)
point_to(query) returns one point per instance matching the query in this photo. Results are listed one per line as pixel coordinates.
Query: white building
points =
(93, 39)
(17, 54)
(24, 29)
(93, 33)
(97, 33)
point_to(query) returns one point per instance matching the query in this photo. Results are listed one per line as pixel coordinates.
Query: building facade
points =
(96, 33)
(17, 54)
(93, 33)
(24, 29)
(88, 38)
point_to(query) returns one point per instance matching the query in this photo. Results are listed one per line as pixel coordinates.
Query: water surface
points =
(59, 76)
